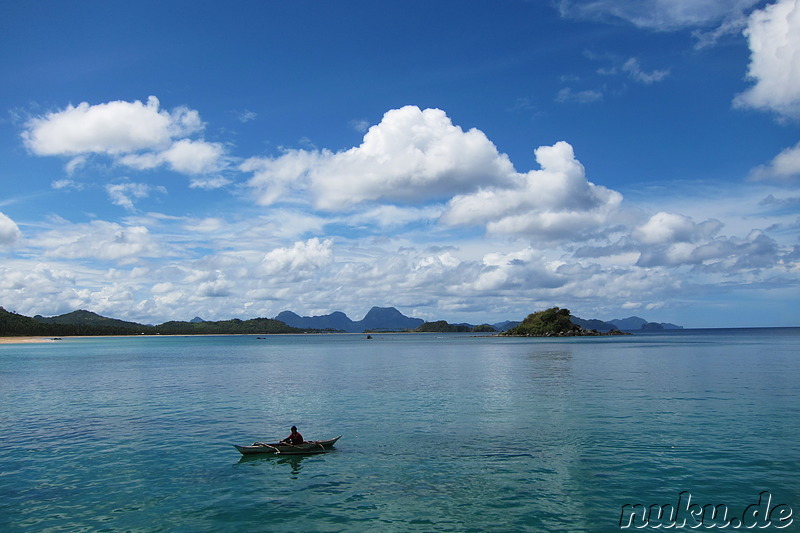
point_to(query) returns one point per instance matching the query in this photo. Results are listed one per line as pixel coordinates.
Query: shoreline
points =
(22, 339)
(26, 340)
(45, 339)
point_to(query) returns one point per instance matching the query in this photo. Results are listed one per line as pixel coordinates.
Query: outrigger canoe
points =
(308, 447)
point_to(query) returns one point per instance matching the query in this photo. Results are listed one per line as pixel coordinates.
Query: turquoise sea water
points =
(440, 433)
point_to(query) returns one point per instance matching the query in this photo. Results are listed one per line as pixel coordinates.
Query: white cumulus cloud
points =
(135, 134)
(116, 127)
(185, 156)
(727, 255)
(774, 37)
(421, 156)
(9, 231)
(670, 240)
(784, 167)
(552, 203)
(273, 178)
(668, 228)
(411, 155)
(302, 257)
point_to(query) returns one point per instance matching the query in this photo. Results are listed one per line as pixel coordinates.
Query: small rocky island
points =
(554, 322)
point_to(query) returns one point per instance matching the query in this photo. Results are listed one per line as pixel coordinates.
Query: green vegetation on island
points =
(553, 322)
(86, 323)
(547, 323)
(16, 325)
(442, 326)
(254, 326)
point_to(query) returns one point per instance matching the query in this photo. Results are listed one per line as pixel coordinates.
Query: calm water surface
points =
(441, 433)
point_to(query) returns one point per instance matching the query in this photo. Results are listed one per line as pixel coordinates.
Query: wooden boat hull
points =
(307, 448)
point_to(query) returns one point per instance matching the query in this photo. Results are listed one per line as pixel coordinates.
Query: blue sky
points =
(459, 161)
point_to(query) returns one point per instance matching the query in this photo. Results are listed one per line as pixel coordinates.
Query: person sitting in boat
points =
(294, 438)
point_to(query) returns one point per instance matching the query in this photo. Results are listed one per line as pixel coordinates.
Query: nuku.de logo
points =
(686, 514)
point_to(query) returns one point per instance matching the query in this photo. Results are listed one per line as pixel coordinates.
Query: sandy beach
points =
(24, 340)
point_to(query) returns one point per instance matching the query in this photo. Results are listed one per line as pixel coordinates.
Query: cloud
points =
(134, 134)
(74, 164)
(582, 97)
(112, 128)
(185, 156)
(390, 216)
(774, 38)
(28, 286)
(668, 228)
(661, 15)
(300, 259)
(733, 25)
(66, 184)
(205, 225)
(416, 155)
(273, 178)
(99, 240)
(360, 125)
(520, 270)
(630, 67)
(9, 231)
(218, 288)
(636, 73)
(245, 116)
(123, 194)
(784, 167)
(552, 203)
(671, 240)
(779, 204)
(412, 155)
(724, 255)
(209, 183)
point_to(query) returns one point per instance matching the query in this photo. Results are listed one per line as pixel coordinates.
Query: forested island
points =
(442, 326)
(548, 323)
(86, 323)
(554, 322)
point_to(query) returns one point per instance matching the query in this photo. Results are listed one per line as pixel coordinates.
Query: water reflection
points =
(294, 461)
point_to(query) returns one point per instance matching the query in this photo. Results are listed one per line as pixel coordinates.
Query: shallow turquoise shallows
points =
(440, 432)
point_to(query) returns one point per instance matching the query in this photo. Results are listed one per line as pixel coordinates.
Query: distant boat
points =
(308, 447)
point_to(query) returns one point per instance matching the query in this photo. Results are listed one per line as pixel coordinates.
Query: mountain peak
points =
(378, 318)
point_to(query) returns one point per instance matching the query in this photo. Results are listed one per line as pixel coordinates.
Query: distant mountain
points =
(336, 321)
(75, 323)
(504, 326)
(442, 326)
(82, 317)
(88, 323)
(635, 323)
(377, 319)
(84, 322)
(388, 319)
(629, 324)
(599, 325)
(235, 326)
(13, 324)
